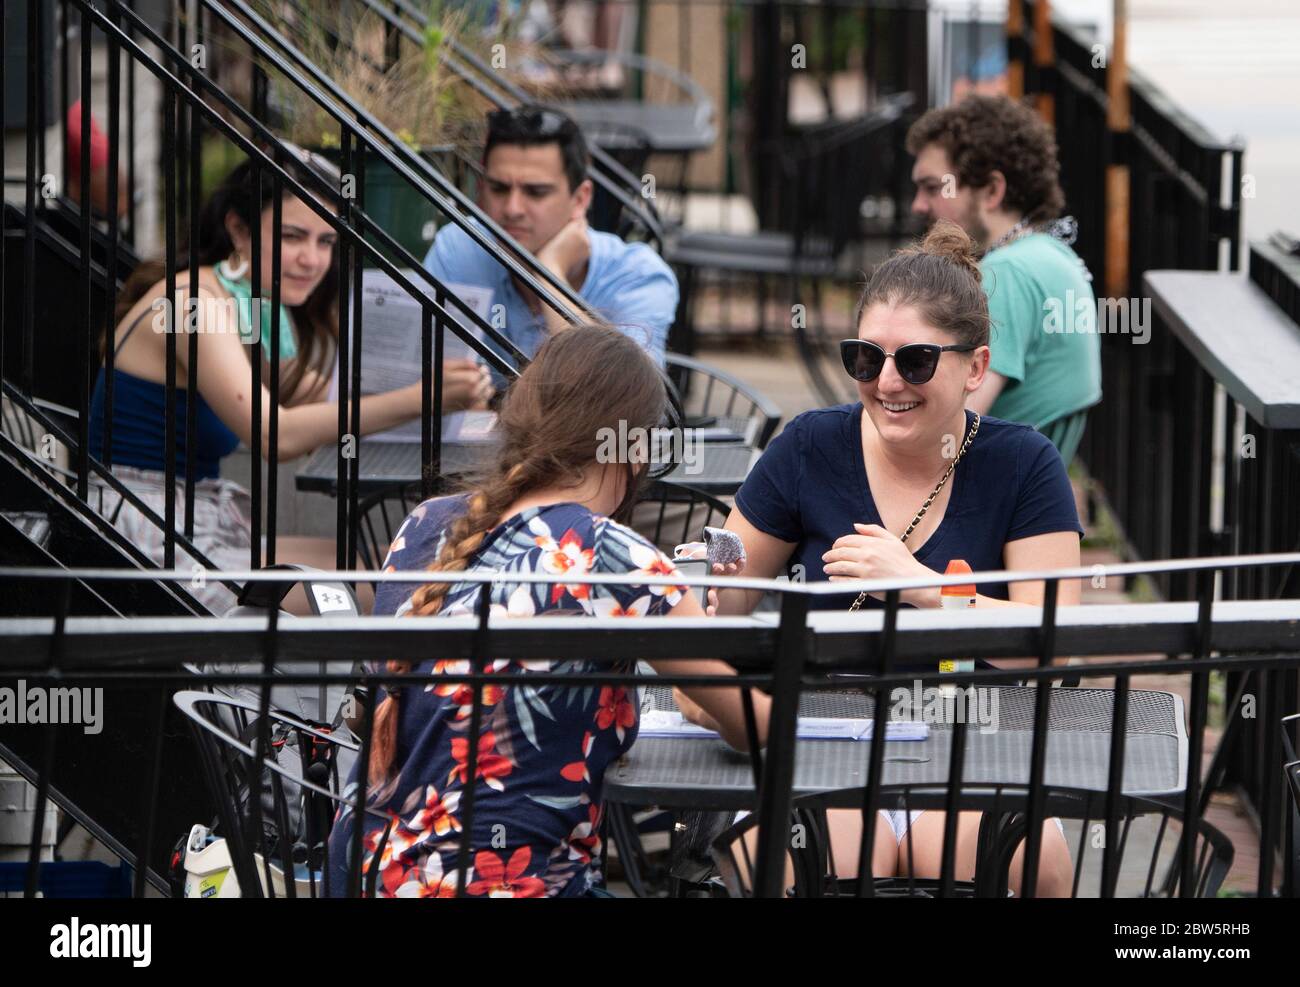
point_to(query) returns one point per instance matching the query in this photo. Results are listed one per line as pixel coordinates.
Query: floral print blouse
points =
(543, 749)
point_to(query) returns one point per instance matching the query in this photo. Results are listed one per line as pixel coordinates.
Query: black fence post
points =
(775, 794)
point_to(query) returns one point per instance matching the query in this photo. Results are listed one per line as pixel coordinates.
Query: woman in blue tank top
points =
(225, 320)
(838, 496)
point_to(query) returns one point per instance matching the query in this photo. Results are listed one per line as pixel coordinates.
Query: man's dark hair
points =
(983, 134)
(533, 126)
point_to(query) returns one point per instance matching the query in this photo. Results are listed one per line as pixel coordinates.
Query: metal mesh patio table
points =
(704, 773)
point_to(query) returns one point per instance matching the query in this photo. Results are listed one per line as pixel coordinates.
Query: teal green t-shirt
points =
(1042, 341)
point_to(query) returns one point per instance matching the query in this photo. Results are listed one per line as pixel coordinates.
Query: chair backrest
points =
(714, 398)
(1140, 854)
(1291, 769)
(379, 516)
(275, 815)
(849, 156)
(670, 513)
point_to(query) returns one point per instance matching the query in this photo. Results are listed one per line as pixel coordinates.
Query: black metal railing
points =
(1184, 212)
(196, 110)
(630, 213)
(787, 653)
(1275, 266)
(767, 47)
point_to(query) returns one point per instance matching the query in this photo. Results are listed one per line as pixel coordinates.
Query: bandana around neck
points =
(242, 292)
(1065, 229)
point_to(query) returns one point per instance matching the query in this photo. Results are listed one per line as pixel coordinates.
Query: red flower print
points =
(414, 887)
(577, 770)
(436, 816)
(584, 841)
(461, 693)
(569, 559)
(491, 767)
(427, 880)
(463, 697)
(609, 607)
(390, 860)
(651, 562)
(505, 881)
(615, 710)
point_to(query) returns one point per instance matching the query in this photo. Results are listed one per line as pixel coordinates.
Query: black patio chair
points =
(1002, 829)
(670, 513)
(1291, 769)
(715, 399)
(673, 112)
(380, 515)
(277, 843)
(630, 147)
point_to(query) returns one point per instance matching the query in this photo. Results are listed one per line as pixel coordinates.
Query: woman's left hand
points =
(874, 553)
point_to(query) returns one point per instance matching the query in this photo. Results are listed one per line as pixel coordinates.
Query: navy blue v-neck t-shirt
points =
(811, 485)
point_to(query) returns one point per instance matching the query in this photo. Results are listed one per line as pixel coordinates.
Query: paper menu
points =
(392, 351)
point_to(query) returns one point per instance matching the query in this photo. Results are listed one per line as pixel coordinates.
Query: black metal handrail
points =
(787, 652)
(435, 310)
(1166, 149)
(607, 173)
(418, 171)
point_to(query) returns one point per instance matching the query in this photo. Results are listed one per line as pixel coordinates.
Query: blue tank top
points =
(140, 406)
(139, 417)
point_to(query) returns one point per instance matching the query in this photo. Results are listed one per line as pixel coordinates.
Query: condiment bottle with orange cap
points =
(961, 597)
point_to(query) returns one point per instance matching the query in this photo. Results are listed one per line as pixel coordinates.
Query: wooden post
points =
(1118, 121)
(1043, 56)
(1015, 37)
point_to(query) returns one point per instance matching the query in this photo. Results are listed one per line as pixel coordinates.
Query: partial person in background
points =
(535, 187)
(99, 189)
(990, 165)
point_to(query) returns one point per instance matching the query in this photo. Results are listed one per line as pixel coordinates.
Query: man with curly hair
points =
(990, 164)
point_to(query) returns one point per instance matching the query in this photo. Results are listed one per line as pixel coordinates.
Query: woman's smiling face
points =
(903, 412)
(306, 248)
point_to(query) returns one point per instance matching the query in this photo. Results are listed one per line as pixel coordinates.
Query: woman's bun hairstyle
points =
(948, 240)
(941, 277)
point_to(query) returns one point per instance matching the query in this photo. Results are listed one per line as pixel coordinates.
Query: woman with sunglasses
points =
(906, 480)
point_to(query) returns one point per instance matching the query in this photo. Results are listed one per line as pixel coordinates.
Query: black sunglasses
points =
(915, 362)
(529, 121)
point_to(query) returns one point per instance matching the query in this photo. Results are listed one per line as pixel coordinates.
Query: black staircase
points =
(62, 271)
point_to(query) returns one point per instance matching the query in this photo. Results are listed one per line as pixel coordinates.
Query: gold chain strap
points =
(975, 427)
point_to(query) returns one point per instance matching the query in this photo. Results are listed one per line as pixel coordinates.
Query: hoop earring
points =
(236, 274)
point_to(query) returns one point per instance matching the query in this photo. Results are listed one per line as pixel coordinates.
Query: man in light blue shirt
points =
(535, 186)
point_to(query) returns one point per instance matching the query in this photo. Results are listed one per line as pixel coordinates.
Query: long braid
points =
(486, 506)
(550, 430)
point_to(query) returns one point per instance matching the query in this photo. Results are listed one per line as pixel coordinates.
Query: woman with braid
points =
(548, 504)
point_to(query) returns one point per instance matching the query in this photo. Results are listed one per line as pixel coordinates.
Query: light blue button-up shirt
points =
(628, 284)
